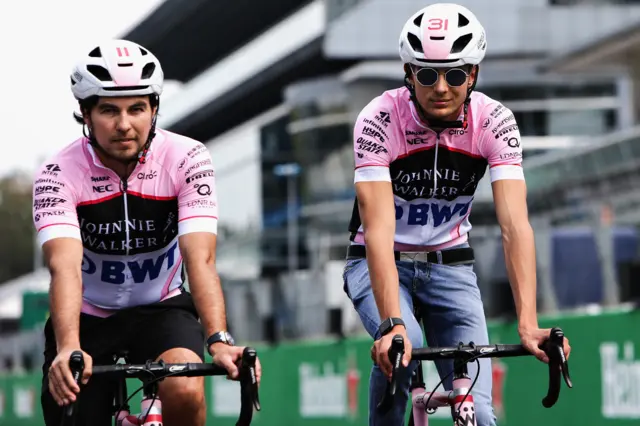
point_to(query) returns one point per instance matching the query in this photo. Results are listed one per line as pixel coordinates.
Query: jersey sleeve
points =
(500, 143)
(373, 142)
(54, 203)
(197, 200)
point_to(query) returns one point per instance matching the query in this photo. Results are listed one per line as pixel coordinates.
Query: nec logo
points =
(103, 188)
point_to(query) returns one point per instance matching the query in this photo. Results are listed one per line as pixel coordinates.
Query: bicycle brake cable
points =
(441, 382)
(155, 394)
(126, 401)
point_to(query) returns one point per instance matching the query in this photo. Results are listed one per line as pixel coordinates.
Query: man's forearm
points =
(65, 296)
(520, 259)
(384, 275)
(208, 297)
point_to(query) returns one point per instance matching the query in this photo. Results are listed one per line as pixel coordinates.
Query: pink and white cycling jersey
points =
(434, 175)
(129, 229)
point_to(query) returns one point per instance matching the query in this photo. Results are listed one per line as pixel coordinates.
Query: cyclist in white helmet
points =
(420, 151)
(123, 214)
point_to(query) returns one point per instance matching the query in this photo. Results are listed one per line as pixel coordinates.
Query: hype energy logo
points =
(329, 390)
(620, 381)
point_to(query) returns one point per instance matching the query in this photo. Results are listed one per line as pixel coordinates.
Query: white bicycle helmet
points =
(117, 68)
(443, 34)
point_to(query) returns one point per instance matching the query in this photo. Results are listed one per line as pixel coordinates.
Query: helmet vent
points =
(437, 38)
(418, 20)
(414, 41)
(99, 72)
(461, 43)
(462, 21)
(148, 70)
(143, 52)
(96, 53)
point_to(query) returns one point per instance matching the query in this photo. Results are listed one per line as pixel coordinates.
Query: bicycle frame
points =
(424, 401)
(150, 406)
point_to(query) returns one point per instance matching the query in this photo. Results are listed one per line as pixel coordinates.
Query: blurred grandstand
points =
(266, 84)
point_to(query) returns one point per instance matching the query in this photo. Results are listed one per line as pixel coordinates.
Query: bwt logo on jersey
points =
(368, 131)
(370, 146)
(99, 178)
(47, 189)
(418, 214)
(113, 271)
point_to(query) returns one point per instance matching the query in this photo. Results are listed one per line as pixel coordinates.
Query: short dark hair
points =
(86, 105)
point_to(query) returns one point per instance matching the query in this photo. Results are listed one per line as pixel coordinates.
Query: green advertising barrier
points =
(319, 383)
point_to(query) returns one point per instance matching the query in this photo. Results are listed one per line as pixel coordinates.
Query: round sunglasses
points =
(455, 77)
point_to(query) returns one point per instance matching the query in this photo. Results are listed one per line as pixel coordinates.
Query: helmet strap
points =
(142, 155)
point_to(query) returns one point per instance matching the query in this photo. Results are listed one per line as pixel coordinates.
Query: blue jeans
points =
(452, 312)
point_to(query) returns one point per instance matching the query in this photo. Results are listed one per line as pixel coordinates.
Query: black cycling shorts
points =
(144, 331)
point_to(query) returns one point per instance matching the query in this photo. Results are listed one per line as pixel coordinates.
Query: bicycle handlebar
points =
(553, 347)
(249, 398)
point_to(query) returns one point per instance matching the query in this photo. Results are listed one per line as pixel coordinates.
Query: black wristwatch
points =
(388, 324)
(220, 336)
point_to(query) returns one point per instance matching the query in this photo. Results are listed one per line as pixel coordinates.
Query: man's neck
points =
(121, 169)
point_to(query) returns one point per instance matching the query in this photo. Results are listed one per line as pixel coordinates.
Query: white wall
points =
(236, 158)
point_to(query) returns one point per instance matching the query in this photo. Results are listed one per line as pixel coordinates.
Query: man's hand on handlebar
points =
(533, 340)
(62, 386)
(230, 358)
(380, 350)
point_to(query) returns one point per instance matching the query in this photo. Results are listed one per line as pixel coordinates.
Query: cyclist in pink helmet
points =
(123, 215)
(420, 151)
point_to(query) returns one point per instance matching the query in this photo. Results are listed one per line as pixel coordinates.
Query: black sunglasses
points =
(455, 77)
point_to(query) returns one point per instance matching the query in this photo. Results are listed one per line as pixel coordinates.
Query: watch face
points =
(229, 339)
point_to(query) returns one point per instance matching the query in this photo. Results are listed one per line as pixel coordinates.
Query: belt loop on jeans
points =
(439, 256)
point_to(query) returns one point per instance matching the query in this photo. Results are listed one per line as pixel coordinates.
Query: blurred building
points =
(273, 84)
(273, 89)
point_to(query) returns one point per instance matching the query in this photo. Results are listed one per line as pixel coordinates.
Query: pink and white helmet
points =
(443, 35)
(117, 68)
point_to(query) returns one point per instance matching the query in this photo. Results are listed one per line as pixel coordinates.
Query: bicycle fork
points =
(462, 407)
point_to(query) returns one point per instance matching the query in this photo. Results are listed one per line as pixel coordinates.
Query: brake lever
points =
(396, 352)
(557, 363)
(76, 365)
(558, 335)
(249, 399)
(249, 357)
